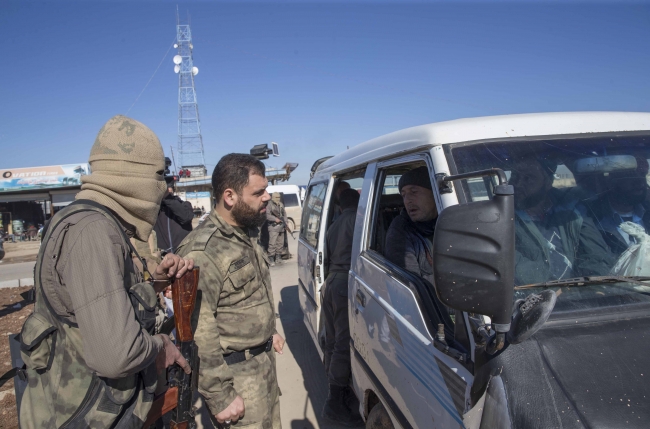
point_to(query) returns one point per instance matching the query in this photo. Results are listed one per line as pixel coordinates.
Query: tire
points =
(291, 224)
(378, 418)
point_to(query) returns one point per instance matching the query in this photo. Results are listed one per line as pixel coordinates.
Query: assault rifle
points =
(289, 231)
(179, 396)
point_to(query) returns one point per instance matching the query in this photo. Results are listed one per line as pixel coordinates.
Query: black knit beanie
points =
(418, 176)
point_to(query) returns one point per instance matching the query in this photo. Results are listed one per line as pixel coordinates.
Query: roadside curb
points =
(28, 281)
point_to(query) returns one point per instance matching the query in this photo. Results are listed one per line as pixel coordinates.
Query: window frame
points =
(304, 221)
(375, 195)
(406, 279)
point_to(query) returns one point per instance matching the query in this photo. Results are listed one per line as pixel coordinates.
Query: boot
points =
(336, 410)
(272, 260)
(352, 403)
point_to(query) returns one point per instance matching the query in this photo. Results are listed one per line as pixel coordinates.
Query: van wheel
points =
(378, 418)
(291, 224)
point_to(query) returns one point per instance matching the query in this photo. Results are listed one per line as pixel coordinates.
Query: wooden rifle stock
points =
(179, 396)
(184, 298)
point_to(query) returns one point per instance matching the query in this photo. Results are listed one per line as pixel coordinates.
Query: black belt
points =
(237, 357)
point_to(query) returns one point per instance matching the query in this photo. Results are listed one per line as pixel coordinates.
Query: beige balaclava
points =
(276, 197)
(126, 160)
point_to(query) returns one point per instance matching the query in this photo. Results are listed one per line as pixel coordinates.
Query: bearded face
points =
(247, 216)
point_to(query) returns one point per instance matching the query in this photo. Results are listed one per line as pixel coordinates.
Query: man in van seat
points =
(623, 201)
(341, 406)
(91, 359)
(277, 219)
(409, 241)
(553, 238)
(236, 333)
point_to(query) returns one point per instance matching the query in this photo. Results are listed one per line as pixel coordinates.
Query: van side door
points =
(310, 257)
(394, 316)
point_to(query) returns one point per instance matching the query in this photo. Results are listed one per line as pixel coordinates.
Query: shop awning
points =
(11, 198)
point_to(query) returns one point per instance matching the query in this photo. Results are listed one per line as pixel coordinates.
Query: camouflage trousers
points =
(276, 240)
(255, 380)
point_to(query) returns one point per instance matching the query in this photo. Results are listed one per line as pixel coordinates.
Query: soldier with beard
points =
(553, 239)
(624, 201)
(236, 332)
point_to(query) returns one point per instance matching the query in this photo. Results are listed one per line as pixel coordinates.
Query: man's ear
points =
(230, 197)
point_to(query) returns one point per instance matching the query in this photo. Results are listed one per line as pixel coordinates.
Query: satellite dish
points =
(177, 68)
(175, 45)
(195, 71)
(178, 59)
(191, 46)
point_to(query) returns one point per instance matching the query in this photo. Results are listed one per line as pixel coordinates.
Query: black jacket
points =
(174, 223)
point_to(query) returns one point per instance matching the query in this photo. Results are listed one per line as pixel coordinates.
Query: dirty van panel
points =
(390, 325)
(310, 274)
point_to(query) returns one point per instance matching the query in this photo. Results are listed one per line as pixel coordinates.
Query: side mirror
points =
(474, 255)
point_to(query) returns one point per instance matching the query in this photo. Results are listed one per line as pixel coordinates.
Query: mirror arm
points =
(443, 179)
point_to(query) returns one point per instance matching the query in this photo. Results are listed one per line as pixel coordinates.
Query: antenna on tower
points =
(190, 141)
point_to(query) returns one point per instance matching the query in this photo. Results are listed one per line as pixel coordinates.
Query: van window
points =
(311, 213)
(416, 258)
(388, 204)
(291, 200)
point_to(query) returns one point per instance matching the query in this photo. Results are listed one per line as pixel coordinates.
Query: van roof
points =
(488, 127)
(284, 188)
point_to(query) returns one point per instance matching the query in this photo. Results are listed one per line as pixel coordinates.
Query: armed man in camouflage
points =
(236, 332)
(277, 219)
(91, 359)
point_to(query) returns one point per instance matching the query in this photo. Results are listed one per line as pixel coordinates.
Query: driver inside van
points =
(553, 240)
(409, 241)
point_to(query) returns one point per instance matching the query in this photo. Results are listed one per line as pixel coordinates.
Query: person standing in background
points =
(276, 217)
(174, 220)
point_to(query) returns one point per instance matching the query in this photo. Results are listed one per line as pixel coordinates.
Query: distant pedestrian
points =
(276, 217)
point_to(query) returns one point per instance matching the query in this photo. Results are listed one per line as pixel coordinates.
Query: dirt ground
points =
(8, 417)
(11, 322)
(21, 251)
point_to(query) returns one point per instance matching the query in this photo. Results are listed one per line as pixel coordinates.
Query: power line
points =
(154, 73)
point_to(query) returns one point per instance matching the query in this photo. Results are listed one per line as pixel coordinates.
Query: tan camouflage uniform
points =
(236, 313)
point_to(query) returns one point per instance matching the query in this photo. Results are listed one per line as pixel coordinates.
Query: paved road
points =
(20, 270)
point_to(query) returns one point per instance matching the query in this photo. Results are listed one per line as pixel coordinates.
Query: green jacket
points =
(582, 244)
(70, 384)
(236, 310)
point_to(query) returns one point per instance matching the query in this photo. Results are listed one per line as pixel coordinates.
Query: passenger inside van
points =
(409, 241)
(624, 200)
(553, 238)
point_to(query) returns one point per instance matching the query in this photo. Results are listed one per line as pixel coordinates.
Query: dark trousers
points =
(337, 329)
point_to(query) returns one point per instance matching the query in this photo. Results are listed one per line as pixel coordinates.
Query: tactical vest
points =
(63, 392)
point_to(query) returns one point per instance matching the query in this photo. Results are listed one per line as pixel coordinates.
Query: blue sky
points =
(315, 77)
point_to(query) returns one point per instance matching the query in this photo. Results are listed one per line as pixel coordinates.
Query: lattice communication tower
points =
(190, 142)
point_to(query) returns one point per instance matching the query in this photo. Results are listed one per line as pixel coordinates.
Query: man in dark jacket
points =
(340, 406)
(409, 241)
(174, 221)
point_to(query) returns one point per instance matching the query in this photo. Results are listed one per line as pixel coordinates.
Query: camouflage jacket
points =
(236, 309)
(90, 359)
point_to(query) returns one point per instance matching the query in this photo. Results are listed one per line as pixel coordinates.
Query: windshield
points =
(582, 209)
